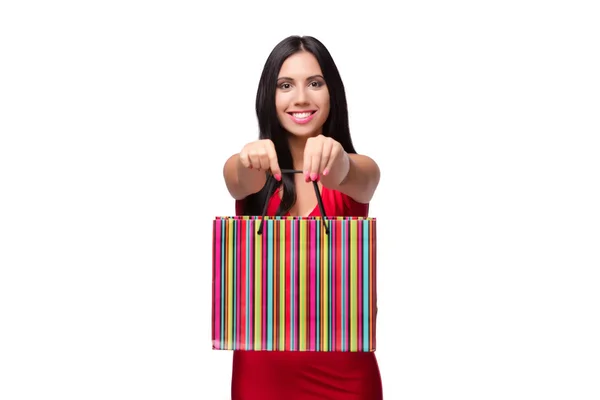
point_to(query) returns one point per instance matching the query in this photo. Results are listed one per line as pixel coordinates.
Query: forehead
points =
(300, 65)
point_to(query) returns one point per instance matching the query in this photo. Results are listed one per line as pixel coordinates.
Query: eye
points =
(315, 84)
(284, 85)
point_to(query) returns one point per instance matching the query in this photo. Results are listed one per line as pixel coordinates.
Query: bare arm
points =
(361, 180)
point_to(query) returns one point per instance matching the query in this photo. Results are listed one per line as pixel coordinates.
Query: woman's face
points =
(301, 96)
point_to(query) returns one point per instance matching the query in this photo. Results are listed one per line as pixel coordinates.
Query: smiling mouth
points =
(301, 117)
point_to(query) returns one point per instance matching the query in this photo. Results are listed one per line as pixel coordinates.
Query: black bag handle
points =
(271, 187)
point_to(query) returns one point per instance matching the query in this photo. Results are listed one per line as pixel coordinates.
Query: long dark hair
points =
(336, 125)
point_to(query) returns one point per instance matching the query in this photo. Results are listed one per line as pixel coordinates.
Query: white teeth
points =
(301, 115)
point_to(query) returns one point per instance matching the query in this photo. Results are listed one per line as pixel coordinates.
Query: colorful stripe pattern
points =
(295, 287)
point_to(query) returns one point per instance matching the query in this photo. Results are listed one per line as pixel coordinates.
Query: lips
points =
(302, 117)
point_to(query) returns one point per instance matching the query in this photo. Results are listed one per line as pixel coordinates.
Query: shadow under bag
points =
(294, 283)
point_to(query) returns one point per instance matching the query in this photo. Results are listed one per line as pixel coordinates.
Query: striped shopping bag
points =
(294, 283)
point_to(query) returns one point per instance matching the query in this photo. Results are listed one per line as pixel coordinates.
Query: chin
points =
(302, 132)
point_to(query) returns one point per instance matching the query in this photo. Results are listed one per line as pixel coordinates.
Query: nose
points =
(301, 96)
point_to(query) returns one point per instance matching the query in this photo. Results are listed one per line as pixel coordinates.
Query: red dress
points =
(276, 375)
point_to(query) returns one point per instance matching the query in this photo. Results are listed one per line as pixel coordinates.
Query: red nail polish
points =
(325, 172)
(313, 176)
(278, 177)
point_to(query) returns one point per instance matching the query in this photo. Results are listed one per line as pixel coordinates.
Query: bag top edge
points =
(288, 218)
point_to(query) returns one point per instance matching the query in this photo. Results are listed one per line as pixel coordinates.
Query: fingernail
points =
(313, 176)
(278, 177)
(325, 172)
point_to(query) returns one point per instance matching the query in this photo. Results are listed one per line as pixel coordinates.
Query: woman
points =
(303, 121)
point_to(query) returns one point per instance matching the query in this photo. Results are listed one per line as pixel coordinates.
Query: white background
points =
(483, 116)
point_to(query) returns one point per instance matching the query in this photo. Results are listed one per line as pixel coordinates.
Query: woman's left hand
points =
(326, 159)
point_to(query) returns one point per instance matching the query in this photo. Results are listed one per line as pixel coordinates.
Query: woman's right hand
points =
(261, 155)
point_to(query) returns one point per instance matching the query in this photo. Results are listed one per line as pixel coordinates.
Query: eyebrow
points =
(309, 78)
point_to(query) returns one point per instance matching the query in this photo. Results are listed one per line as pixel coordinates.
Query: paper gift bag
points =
(294, 283)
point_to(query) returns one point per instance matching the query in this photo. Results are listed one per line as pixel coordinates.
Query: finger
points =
(254, 160)
(325, 156)
(264, 159)
(333, 155)
(273, 163)
(244, 160)
(315, 164)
